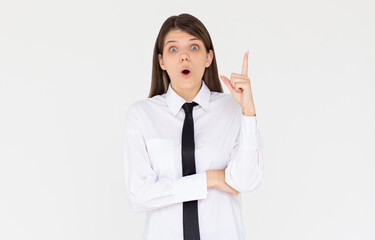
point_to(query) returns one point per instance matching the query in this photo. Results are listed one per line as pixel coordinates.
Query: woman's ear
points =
(210, 56)
(161, 61)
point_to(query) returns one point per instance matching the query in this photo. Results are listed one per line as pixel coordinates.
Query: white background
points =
(69, 70)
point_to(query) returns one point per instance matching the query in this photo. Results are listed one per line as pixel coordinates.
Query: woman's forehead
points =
(178, 35)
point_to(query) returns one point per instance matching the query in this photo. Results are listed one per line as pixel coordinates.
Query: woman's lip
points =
(185, 68)
(186, 75)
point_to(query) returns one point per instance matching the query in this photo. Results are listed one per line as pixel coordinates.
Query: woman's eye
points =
(173, 49)
(196, 47)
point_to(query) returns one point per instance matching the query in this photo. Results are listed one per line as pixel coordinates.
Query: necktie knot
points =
(188, 107)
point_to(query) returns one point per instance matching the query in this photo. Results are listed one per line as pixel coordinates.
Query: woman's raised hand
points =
(239, 86)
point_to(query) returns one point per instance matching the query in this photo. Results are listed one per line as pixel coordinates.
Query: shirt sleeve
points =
(245, 168)
(144, 190)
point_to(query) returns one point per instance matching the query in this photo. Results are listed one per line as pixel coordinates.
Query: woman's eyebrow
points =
(176, 41)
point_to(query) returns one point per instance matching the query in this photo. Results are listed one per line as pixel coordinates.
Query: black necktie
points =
(190, 208)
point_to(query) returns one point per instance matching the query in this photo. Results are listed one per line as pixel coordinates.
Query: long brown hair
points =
(192, 25)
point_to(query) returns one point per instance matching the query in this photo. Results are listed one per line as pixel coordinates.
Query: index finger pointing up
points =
(245, 63)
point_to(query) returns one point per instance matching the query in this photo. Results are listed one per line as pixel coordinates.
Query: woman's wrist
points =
(210, 178)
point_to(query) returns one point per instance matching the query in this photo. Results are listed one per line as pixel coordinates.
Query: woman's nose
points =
(184, 56)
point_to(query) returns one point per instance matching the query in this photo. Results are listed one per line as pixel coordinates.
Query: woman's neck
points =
(188, 94)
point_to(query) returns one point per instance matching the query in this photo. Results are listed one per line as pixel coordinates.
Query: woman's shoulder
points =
(144, 104)
(226, 99)
(220, 95)
(225, 103)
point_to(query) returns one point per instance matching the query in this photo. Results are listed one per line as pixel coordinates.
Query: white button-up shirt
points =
(225, 139)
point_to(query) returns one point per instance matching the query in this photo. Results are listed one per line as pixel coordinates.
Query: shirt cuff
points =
(248, 134)
(191, 187)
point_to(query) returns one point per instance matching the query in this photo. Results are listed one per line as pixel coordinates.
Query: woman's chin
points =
(186, 83)
(189, 83)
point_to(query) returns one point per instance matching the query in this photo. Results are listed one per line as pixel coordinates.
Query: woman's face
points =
(184, 51)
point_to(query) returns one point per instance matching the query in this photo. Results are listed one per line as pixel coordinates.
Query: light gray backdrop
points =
(69, 70)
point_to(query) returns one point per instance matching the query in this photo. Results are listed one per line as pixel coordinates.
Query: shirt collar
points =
(175, 101)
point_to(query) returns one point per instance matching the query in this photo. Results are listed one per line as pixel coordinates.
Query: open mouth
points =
(186, 73)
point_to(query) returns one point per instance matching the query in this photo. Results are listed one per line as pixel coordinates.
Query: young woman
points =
(189, 148)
